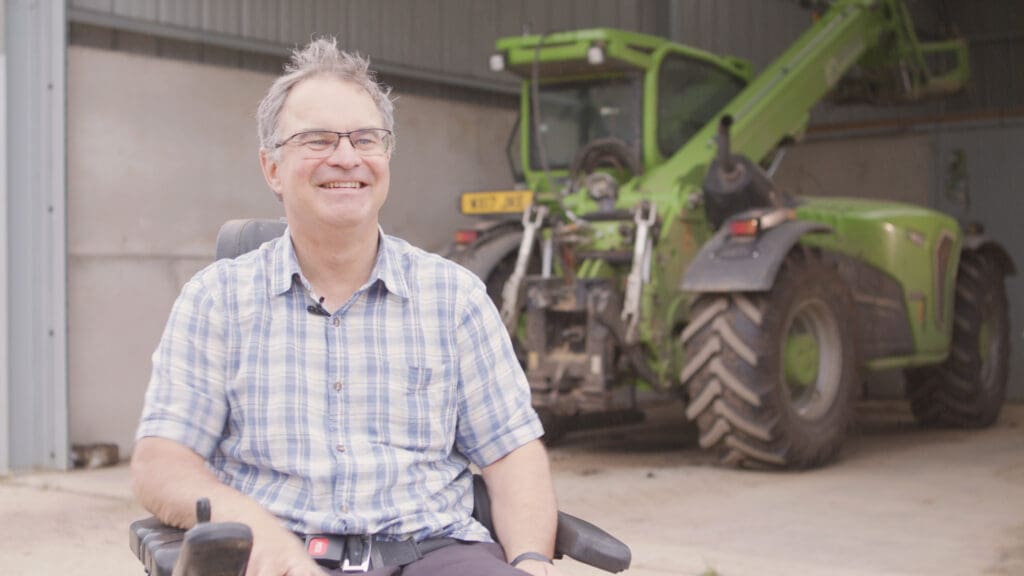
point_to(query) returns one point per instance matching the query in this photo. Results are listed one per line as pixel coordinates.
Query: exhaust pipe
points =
(724, 156)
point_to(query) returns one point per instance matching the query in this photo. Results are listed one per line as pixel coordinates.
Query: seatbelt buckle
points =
(326, 549)
(357, 554)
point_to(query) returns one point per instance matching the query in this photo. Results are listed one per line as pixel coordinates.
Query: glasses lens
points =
(317, 141)
(370, 141)
(317, 144)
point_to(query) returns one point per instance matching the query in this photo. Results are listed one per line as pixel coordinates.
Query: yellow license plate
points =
(496, 202)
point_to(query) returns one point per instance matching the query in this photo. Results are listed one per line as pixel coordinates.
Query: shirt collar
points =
(386, 269)
(285, 265)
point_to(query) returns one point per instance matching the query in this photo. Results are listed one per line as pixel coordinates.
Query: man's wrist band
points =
(530, 556)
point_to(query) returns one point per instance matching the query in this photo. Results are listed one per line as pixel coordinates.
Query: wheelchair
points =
(222, 548)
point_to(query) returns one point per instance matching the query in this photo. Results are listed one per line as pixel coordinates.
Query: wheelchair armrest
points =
(582, 541)
(575, 538)
(156, 545)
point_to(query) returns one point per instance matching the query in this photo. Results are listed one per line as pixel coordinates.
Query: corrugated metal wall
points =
(449, 40)
(444, 37)
(760, 31)
(757, 31)
(985, 190)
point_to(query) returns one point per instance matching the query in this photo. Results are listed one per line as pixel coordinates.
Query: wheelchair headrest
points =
(236, 237)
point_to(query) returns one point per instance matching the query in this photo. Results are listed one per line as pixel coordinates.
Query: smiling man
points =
(335, 385)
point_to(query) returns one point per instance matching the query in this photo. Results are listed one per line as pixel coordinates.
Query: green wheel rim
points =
(801, 359)
(984, 341)
(812, 359)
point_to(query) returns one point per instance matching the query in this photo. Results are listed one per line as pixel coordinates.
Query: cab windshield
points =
(573, 114)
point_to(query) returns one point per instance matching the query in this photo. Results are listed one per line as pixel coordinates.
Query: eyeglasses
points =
(323, 143)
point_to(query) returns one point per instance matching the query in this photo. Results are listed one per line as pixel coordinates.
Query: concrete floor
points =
(901, 501)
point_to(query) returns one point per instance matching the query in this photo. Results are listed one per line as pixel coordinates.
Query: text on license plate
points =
(495, 202)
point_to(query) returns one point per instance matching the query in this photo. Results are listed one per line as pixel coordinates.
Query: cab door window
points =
(690, 94)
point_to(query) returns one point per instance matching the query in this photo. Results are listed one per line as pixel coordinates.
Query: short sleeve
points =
(185, 400)
(495, 415)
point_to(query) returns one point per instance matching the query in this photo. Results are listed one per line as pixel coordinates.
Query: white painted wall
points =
(160, 153)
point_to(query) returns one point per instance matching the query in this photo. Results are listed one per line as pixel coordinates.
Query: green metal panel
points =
(905, 242)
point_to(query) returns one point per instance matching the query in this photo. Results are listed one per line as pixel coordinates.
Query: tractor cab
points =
(601, 107)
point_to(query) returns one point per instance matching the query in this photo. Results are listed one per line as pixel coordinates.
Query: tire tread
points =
(953, 393)
(729, 345)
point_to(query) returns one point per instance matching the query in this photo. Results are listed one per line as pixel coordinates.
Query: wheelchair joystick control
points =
(214, 548)
(203, 511)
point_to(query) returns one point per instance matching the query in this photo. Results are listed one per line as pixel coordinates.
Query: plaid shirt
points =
(363, 422)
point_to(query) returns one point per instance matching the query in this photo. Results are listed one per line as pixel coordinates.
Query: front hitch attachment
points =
(533, 219)
(214, 548)
(646, 216)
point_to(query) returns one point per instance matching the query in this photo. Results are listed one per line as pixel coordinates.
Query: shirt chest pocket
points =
(418, 408)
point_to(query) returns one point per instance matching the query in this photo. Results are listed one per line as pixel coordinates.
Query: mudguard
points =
(745, 264)
(982, 243)
(483, 255)
(486, 230)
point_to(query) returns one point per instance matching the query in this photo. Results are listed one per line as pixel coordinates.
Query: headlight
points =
(497, 62)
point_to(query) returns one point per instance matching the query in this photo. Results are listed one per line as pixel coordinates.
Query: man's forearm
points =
(523, 501)
(168, 478)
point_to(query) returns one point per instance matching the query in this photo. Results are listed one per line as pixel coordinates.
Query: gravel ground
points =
(902, 500)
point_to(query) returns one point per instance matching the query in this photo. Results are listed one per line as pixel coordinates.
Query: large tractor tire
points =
(968, 389)
(772, 376)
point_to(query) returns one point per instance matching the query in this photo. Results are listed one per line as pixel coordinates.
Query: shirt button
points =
(340, 447)
(337, 385)
(336, 321)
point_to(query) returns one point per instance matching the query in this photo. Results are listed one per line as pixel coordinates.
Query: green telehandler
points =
(648, 254)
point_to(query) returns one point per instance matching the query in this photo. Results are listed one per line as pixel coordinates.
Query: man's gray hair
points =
(320, 57)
